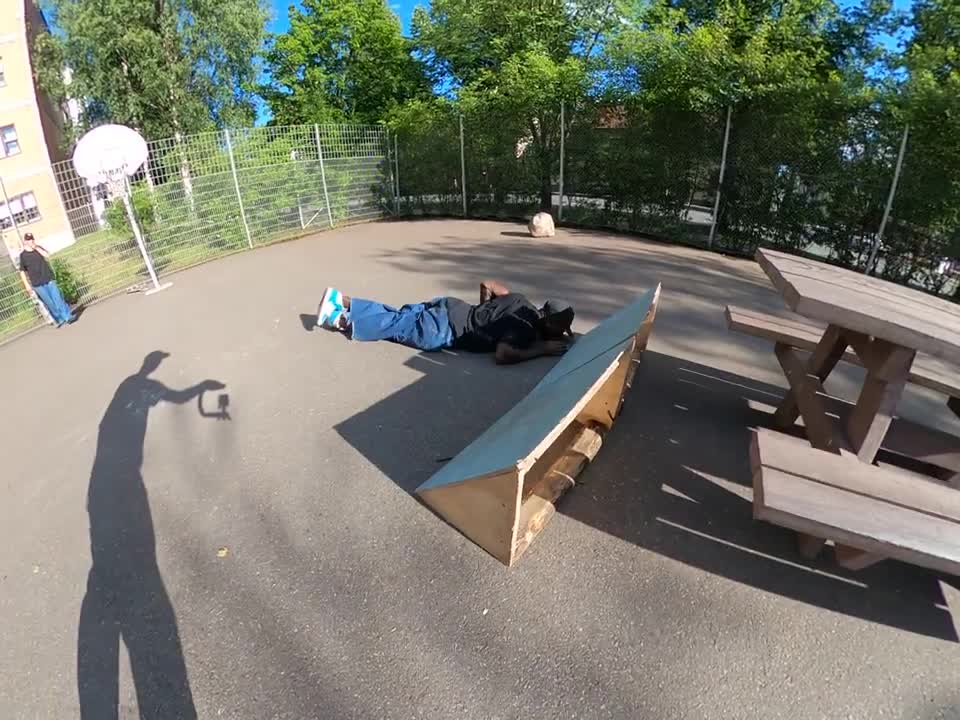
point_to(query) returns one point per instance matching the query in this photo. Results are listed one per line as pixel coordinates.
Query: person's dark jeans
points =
(424, 326)
(51, 296)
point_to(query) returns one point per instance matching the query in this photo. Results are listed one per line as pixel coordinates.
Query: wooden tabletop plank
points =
(866, 304)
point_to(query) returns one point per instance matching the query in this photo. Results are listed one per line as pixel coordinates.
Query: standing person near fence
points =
(35, 269)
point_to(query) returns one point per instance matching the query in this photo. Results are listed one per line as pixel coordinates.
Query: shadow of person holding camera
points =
(125, 596)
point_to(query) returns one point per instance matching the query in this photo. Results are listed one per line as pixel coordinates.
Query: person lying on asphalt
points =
(504, 323)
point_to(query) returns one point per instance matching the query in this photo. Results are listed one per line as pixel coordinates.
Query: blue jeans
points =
(424, 326)
(51, 297)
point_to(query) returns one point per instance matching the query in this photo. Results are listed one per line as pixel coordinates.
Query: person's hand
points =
(212, 385)
(555, 347)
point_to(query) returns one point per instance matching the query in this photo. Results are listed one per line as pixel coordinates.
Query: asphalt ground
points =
(257, 552)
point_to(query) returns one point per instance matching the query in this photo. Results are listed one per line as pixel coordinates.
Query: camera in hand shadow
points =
(223, 407)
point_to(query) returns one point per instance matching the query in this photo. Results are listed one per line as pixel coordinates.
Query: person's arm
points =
(489, 289)
(507, 354)
(42, 250)
(23, 276)
(181, 396)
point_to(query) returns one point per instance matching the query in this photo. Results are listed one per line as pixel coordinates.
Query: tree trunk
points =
(546, 188)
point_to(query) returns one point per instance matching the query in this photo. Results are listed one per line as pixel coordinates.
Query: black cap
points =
(554, 307)
(559, 312)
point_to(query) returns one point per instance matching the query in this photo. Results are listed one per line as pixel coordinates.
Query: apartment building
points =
(31, 131)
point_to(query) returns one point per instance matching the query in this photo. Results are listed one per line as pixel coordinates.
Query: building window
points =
(9, 144)
(22, 210)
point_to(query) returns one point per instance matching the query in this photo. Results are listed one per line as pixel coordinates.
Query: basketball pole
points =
(157, 287)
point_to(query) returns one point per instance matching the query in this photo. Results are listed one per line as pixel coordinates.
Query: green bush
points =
(71, 286)
(143, 208)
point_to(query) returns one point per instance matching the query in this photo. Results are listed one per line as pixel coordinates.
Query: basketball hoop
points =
(109, 155)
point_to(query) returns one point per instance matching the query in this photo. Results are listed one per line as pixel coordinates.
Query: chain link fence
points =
(731, 181)
(640, 171)
(204, 196)
(18, 312)
(428, 163)
(823, 185)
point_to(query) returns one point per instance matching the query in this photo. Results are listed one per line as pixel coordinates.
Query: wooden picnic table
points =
(886, 325)
(831, 488)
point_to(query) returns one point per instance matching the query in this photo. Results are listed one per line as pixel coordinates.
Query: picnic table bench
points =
(829, 488)
(501, 490)
(926, 371)
(871, 512)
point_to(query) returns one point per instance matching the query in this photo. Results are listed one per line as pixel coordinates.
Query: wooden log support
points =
(539, 507)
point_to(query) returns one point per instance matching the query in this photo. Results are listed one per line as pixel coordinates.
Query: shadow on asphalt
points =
(673, 477)
(309, 322)
(125, 597)
(410, 434)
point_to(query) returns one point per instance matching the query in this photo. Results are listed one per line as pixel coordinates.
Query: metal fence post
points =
(723, 168)
(463, 170)
(396, 167)
(563, 137)
(889, 206)
(236, 185)
(127, 193)
(323, 173)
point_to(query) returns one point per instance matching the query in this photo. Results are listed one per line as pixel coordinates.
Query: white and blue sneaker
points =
(331, 309)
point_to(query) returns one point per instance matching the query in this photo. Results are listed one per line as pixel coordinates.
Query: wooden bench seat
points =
(501, 489)
(869, 512)
(926, 371)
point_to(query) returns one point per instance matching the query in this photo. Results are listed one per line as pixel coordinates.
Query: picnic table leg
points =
(821, 363)
(882, 390)
(829, 350)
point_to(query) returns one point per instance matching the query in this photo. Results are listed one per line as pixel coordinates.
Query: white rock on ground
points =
(541, 225)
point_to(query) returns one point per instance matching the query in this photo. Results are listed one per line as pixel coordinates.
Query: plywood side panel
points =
(604, 406)
(530, 427)
(484, 509)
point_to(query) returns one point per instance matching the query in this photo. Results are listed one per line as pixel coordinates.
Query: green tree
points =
(161, 66)
(924, 225)
(341, 60)
(797, 75)
(513, 60)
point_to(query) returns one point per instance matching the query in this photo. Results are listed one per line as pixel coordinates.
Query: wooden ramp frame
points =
(500, 491)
